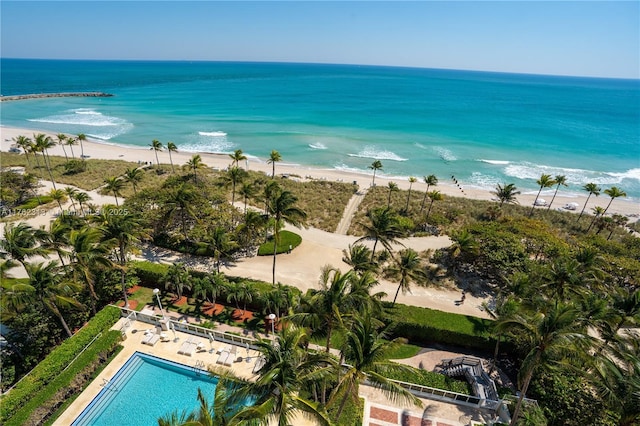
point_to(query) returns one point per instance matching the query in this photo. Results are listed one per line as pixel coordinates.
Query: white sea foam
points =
(317, 145)
(629, 174)
(213, 134)
(445, 153)
(574, 177)
(371, 152)
(496, 162)
(483, 181)
(83, 117)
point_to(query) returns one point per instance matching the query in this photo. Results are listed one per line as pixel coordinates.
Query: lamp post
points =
(157, 293)
(272, 319)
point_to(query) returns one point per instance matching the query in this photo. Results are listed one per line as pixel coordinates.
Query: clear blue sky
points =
(543, 37)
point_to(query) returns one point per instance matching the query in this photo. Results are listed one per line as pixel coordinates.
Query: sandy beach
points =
(446, 185)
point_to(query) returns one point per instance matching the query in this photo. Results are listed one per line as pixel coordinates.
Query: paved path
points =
(349, 211)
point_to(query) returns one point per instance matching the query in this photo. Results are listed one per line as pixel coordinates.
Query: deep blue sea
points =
(484, 128)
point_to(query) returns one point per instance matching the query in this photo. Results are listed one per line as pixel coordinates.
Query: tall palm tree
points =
(592, 189)
(412, 180)
(282, 209)
(42, 144)
(218, 242)
(597, 213)
(559, 180)
(171, 147)
(194, 164)
(234, 176)
(393, 187)
(26, 144)
(375, 166)
(70, 192)
(383, 227)
(247, 190)
(134, 177)
(180, 200)
(115, 186)
(57, 238)
(366, 353)
(21, 242)
(430, 180)
(506, 193)
(178, 279)
(48, 287)
(407, 268)
(61, 141)
(545, 181)
(82, 198)
(125, 230)
(358, 257)
(156, 146)
(433, 196)
(70, 142)
(59, 196)
(239, 292)
(288, 368)
(81, 138)
(274, 157)
(548, 335)
(613, 192)
(237, 156)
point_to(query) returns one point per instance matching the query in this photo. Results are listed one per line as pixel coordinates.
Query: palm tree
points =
(545, 181)
(194, 164)
(178, 278)
(433, 196)
(134, 177)
(613, 192)
(274, 157)
(48, 287)
(237, 156)
(282, 209)
(156, 146)
(393, 187)
(61, 141)
(59, 196)
(42, 144)
(412, 180)
(464, 244)
(597, 212)
(114, 185)
(26, 144)
(81, 138)
(430, 180)
(247, 190)
(358, 257)
(239, 292)
(288, 368)
(548, 335)
(234, 176)
(70, 142)
(592, 189)
(57, 238)
(407, 268)
(559, 180)
(280, 300)
(375, 166)
(171, 147)
(180, 200)
(366, 353)
(218, 242)
(21, 242)
(383, 226)
(506, 193)
(125, 230)
(82, 198)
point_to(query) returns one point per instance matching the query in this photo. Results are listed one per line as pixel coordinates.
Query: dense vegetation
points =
(558, 280)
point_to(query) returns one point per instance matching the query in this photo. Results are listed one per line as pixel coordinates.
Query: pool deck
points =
(378, 410)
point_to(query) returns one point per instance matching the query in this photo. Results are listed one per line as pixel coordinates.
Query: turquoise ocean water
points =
(484, 128)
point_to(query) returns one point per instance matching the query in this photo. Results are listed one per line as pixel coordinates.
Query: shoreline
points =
(105, 150)
(55, 95)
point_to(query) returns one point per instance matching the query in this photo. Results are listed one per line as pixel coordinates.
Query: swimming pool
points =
(144, 389)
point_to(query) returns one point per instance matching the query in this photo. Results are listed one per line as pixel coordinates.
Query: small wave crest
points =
(495, 162)
(574, 176)
(82, 117)
(445, 153)
(213, 134)
(317, 145)
(371, 152)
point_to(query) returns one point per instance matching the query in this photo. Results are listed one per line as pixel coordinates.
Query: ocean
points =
(483, 128)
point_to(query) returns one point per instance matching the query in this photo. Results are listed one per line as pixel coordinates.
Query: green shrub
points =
(56, 361)
(424, 325)
(432, 380)
(149, 273)
(34, 202)
(287, 240)
(75, 166)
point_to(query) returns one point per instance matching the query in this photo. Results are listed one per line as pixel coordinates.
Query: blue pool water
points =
(145, 389)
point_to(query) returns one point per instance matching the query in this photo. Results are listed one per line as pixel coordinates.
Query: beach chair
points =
(259, 364)
(231, 357)
(187, 347)
(222, 358)
(151, 339)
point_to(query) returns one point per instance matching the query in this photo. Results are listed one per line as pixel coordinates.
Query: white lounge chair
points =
(231, 357)
(151, 339)
(187, 347)
(222, 358)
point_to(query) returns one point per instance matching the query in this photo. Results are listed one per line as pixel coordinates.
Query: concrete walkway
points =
(349, 211)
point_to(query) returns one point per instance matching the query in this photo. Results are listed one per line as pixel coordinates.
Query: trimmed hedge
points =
(150, 274)
(426, 325)
(69, 383)
(433, 380)
(55, 362)
(287, 239)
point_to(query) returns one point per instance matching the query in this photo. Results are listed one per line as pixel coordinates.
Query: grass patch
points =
(406, 350)
(288, 240)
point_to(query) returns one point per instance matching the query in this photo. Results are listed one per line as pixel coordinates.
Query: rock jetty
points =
(56, 95)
